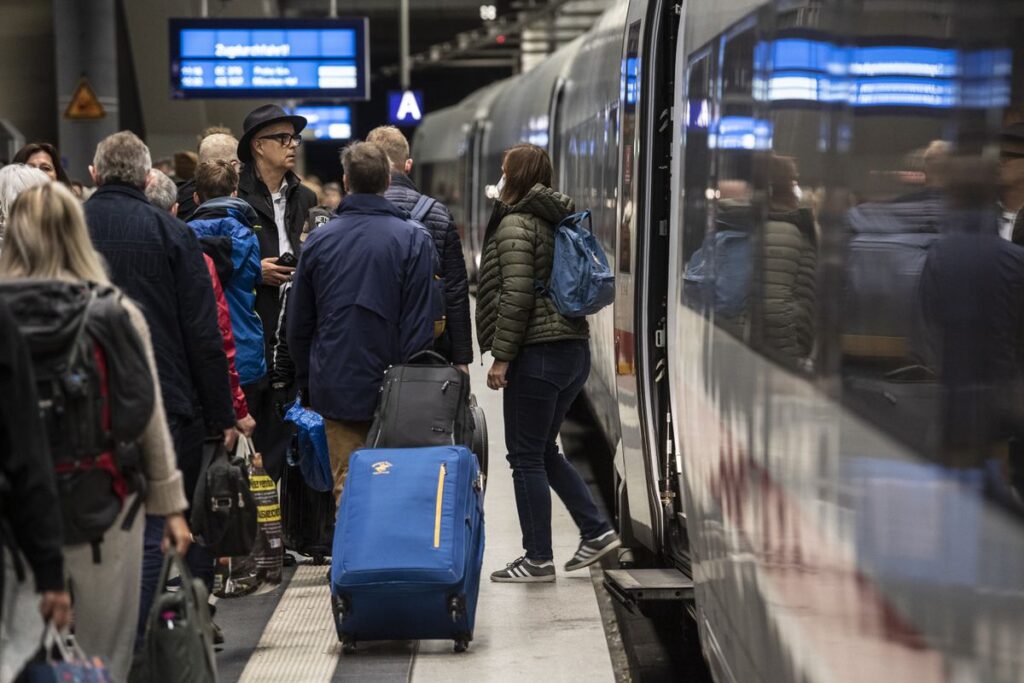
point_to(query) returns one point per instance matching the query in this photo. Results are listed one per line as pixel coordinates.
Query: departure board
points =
(269, 58)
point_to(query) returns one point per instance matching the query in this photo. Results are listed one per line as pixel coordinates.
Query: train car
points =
(811, 377)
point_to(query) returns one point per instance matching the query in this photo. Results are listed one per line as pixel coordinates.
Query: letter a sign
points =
(405, 108)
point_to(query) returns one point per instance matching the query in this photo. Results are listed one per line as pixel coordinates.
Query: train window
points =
(698, 186)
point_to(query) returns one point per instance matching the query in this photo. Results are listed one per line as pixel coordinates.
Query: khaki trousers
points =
(343, 437)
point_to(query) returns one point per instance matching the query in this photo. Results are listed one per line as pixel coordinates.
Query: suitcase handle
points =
(428, 357)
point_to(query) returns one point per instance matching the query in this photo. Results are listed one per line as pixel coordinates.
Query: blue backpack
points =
(581, 282)
(722, 270)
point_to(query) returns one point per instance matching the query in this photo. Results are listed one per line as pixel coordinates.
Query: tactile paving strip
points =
(299, 644)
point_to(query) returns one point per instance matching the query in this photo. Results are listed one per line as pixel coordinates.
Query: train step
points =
(646, 591)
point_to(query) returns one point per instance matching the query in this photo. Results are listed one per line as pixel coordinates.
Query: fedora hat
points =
(258, 119)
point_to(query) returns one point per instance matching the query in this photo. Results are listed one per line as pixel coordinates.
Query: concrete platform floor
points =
(547, 632)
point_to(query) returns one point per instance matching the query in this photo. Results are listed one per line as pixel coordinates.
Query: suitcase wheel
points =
(462, 643)
(456, 607)
(338, 610)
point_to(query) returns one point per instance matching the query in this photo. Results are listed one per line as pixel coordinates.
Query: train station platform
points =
(543, 632)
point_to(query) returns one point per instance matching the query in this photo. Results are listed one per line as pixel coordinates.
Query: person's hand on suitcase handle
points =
(176, 534)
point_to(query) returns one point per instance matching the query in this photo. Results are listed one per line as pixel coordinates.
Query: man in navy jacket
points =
(363, 298)
(156, 260)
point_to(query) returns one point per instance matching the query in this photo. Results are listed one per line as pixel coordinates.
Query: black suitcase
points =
(307, 516)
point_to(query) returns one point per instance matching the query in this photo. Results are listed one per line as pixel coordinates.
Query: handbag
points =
(178, 646)
(63, 661)
(260, 570)
(309, 450)
(224, 510)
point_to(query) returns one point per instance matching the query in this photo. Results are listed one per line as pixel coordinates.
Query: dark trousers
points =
(272, 434)
(188, 435)
(543, 381)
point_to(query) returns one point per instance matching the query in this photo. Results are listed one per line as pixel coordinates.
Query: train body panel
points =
(802, 453)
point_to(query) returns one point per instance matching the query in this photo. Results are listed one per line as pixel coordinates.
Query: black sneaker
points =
(591, 551)
(218, 635)
(525, 571)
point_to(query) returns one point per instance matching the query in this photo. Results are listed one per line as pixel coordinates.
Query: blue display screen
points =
(740, 132)
(269, 58)
(632, 84)
(807, 70)
(327, 122)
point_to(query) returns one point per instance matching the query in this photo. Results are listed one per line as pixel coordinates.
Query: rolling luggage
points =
(307, 516)
(409, 546)
(426, 402)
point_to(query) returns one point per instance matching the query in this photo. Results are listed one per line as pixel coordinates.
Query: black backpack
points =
(224, 510)
(425, 402)
(96, 396)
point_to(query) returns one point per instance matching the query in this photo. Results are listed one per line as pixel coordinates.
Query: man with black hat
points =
(268, 183)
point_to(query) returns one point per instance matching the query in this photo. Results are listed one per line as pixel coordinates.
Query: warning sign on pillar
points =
(405, 107)
(84, 104)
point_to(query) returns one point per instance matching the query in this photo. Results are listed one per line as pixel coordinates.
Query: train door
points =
(642, 269)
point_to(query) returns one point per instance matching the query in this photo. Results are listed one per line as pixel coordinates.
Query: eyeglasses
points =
(283, 139)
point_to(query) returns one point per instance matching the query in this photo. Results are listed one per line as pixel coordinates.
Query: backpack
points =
(224, 511)
(425, 402)
(96, 396)
(581, 282)
(419, 212)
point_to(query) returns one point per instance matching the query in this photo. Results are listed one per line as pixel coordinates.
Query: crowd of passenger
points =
(219, 287)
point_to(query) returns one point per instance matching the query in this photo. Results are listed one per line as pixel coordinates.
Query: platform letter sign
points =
(405, 108)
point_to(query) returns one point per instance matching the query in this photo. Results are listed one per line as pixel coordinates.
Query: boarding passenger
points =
(15, 178)
(162, 193)
(213, 147)
(47, 240)
(541, 359)
(156, 260)
(269, 184)
(46, 158)
(456, 344)
(30, 524)
(363, 299)
(224, 220)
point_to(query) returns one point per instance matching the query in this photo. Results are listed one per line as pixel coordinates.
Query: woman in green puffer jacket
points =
(541, 360)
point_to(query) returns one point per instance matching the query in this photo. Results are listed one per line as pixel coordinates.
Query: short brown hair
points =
(366, 168)
(393, 142)
(215, 179)
(525, 165)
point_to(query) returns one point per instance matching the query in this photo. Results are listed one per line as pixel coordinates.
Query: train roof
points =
(442, 134)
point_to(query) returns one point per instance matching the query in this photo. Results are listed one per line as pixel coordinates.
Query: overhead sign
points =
(327, 122)
(84, 104)
(405, 107)
(270, 58)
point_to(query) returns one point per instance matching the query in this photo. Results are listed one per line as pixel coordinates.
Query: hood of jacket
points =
(544, 203)
(227, 207)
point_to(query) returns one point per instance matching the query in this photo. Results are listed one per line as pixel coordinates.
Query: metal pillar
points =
(333, 13)
(85, 34)
(404, 44)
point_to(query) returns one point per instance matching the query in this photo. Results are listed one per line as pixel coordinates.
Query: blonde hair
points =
(394, 144)
(46, 238)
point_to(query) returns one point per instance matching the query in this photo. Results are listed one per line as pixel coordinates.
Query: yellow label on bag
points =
(261, 482)
(268, 513)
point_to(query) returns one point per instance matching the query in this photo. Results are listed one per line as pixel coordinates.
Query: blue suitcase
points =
(408, 546)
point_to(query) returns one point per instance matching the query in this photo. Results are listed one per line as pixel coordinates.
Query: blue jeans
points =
(543, 381)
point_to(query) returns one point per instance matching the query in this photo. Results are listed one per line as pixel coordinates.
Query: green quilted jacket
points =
(509, 311)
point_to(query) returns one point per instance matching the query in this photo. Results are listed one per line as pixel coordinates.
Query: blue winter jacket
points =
(363, 298)
(233, 218)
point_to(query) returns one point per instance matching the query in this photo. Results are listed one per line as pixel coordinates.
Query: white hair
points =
(218, 147)
(122, 157)
(161, 190)
(14, 179)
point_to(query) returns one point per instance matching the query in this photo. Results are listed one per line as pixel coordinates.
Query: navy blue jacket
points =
(155, 259)
(363, 298)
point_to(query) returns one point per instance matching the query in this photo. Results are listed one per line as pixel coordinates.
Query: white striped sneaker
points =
(525, 571)
(593, 550)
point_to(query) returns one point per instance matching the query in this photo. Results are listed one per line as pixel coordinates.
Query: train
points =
(809, 409)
